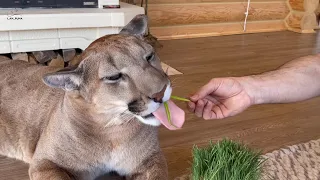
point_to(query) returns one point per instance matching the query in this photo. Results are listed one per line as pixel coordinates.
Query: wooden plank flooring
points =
(266, 127)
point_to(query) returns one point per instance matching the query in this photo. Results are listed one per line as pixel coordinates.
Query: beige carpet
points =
(297, 162)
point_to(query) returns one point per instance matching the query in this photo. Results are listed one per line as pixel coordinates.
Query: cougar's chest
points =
(126, 155)
(122, 150)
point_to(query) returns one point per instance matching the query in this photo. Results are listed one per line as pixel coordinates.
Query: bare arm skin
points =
(295, 81)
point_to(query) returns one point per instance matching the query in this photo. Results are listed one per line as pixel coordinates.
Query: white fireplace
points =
(27, 30)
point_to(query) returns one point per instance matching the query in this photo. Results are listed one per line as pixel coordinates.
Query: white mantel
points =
(26, 30)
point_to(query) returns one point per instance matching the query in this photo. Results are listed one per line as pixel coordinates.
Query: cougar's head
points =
(120, 76)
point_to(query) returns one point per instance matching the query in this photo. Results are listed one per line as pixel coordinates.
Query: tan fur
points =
(84, 129)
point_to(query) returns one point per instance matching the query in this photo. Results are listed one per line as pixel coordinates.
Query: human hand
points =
(220, 98)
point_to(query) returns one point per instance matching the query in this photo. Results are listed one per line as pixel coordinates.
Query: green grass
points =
(226, 160)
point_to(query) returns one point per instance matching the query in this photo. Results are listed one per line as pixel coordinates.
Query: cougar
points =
(100, 117)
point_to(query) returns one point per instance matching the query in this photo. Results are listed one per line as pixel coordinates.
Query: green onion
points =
(166, 106)
(180, 98)
(167, 110)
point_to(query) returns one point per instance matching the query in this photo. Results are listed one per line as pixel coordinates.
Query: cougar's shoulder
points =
(25, 106)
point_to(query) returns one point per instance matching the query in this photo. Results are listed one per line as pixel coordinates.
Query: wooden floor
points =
(266, 127)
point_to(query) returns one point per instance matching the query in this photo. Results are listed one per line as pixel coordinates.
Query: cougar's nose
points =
(157, 97)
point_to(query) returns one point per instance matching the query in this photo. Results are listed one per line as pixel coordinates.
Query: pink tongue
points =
(177, 116)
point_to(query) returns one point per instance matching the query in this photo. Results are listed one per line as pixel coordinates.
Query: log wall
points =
(303, 15)
(175, 19)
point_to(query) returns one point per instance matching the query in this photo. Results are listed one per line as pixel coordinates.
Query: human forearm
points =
(296, 80)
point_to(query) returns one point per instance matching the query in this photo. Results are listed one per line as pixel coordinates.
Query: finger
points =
(213, 99)
(205, 90)
(218, 112)
(191, 106)
(205, 101)
(207, 112)
(199, 108)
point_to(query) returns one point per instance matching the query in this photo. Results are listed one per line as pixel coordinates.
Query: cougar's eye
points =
(113, 78)
(150, 57)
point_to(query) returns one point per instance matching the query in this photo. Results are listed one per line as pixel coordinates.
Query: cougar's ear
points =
(137, 26)
(68, 80)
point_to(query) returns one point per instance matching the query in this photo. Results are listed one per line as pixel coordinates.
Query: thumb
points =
(207, 89)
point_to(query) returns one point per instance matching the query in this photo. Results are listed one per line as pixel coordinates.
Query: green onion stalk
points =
(166, 106)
